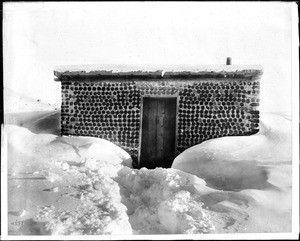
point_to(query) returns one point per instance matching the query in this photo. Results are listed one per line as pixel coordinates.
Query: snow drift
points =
(63, 185)
(58, 182)
(35, 115)
(257, 166)
(85, 185)
(241, 162)
(39, 122)
(15, 102)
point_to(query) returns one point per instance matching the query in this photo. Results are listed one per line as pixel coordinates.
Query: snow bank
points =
(17, 102)
(256, 168)
(38, 122)
(163, 201)
(84, 186)
(83, 148)
(32, 114)
(231, 163)
(64, 184)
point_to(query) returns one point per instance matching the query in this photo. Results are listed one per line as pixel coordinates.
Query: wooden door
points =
(158, 132)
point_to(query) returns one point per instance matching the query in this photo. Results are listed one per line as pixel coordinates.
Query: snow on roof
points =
(206, 71)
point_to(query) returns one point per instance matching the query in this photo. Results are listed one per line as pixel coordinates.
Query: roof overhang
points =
(83, 72)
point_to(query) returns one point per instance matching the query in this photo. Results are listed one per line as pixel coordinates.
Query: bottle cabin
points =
(155, 113)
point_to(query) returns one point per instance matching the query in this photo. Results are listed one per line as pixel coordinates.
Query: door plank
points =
(170, 131)
(152, 130)
(145, 127)
(160, 131)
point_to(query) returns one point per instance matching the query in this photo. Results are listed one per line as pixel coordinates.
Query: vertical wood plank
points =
(160, 131)
(145, 127)
(152, 130)
(170, 129)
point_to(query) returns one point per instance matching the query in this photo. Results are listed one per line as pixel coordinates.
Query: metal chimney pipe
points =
(228, 61)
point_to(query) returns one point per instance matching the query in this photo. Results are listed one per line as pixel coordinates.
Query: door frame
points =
(174, 96)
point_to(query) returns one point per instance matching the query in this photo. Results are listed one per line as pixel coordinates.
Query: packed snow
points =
(64, 185)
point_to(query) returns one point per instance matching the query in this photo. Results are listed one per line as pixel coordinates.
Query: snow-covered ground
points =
(84, 185)
(17, 102)
(257, 167)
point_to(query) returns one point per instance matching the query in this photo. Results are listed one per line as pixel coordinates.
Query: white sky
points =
(39, 36)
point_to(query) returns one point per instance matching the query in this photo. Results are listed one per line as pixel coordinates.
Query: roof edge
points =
(208, 71)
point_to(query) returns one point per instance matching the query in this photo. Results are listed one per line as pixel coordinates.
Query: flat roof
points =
(163, 72)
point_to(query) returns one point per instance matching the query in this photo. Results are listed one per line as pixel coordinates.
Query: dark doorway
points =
(158, 132)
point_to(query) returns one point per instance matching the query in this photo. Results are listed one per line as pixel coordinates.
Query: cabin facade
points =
(156, 113)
